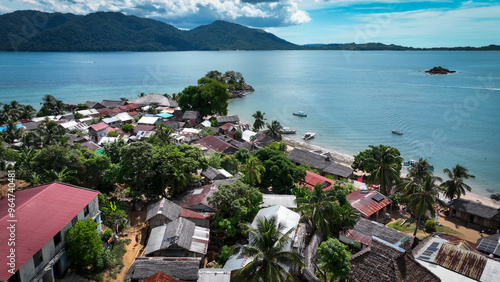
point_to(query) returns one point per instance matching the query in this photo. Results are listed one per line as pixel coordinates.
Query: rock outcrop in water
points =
(240, 93)
(495, 196)
(439, 70)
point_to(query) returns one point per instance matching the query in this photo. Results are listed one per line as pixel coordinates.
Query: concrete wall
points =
(49, 250)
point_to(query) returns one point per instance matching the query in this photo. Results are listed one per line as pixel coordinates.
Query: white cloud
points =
(259, 13)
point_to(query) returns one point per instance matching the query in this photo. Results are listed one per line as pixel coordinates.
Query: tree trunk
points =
(416, 227)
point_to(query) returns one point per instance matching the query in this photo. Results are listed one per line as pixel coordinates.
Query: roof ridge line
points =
(30, 199)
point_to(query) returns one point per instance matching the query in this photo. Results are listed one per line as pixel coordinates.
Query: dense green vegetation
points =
(209, 97)
(333, 260)
(112, 31)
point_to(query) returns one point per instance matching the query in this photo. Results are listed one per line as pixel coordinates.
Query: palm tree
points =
(165, 133)
(49, 131)
(344, 217)
(267, 247)
(35, 179)
(31, 140)
(25, 160)
(425, 194)
(10, 112)
(385, 167)
(274, 130)
(252, 170)
(27, 112)
(455, 187)
(421, 169)
(318, 208)
(64, 175)
(259, 120)
(12, 133)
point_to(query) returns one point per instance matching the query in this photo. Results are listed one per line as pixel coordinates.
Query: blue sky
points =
(417, 23)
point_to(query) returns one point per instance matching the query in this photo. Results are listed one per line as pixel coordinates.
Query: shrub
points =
(127, 128)
(113, 134)
(106, 235)
(224, 254)
(430, 226)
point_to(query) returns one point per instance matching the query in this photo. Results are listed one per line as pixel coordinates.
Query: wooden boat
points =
(300, 114)
(397, 132)
(288, 130)
(309, 135)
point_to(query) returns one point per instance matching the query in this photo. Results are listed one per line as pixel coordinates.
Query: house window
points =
(74, 220)
(57, 238)
(38, 258)
(86, 211)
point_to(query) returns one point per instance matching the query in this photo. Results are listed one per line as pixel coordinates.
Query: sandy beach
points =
(347, 160)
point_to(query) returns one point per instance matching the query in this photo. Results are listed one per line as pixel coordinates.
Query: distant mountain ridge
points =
(112, 31)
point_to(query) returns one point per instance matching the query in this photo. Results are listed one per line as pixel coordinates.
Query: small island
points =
(439, 70)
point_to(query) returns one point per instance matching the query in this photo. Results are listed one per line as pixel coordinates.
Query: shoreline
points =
(347, 160)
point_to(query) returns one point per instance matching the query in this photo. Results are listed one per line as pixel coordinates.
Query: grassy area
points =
(409, 227)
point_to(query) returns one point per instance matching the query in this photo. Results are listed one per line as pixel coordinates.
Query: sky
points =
(415, 23)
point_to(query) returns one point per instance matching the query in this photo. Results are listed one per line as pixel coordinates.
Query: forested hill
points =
(109, 31)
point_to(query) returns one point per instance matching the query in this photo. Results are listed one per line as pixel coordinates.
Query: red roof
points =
(133, 114)
(160, 277)
(200, 196)
(363, 201)
(187, 213)
(215, 144)
(129, 107)
(114, 112)
(312, 179)
(226, 126)
(41, 212)
(99, 126)
(358, 236)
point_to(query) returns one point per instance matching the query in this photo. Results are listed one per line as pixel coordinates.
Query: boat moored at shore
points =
(300, 114)
(288, 130)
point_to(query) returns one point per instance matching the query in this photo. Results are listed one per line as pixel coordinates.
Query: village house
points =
(162, 213)
(323, 162)
(143, 127)
(97, 132)
(453, 261)
(234, 119)
(44, 214)
(383, 261)
(94, 105)
(288, 201)
(179, 238)
(490, 245)
(212, 174)
(113, 104)
(198, 199)
(112, 121)
(75, 125)
(149, 120)
(214, 275)
(477, 213)
(154, 100)
(212, 143)
(124, 118)
(312, 179)
(365, 229)
(88, 112)
(90, 145)
(130, 107)
(182, 269)
(370, 204)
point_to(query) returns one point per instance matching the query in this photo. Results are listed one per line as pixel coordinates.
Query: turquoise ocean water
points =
(353, 99)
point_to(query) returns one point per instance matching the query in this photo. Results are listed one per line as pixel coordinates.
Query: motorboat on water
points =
(288, 130)
(309, 135)
(397, 132)
(300, 114)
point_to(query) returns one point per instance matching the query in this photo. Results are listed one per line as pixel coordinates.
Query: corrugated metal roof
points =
(99, 126)
(41, 212)
(216, 144)
(312, 179)
(201, 238)
(363, 202)
(287, 201)
(214, 275)
(200, 196)
(288, 218)
(148, 120)
(464, 262)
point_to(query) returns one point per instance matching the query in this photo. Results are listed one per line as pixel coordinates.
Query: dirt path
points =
(137, 228)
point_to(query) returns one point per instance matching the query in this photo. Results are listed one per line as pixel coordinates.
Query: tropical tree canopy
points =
(252, 171)
(333, 260)
(455, 187)
(259, 120)
(85, 246)
(384, 165)
(209, 97)
(236, 204)
(274, 130)
(268, 249)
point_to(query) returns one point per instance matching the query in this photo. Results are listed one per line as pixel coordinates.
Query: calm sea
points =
(353, 99)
